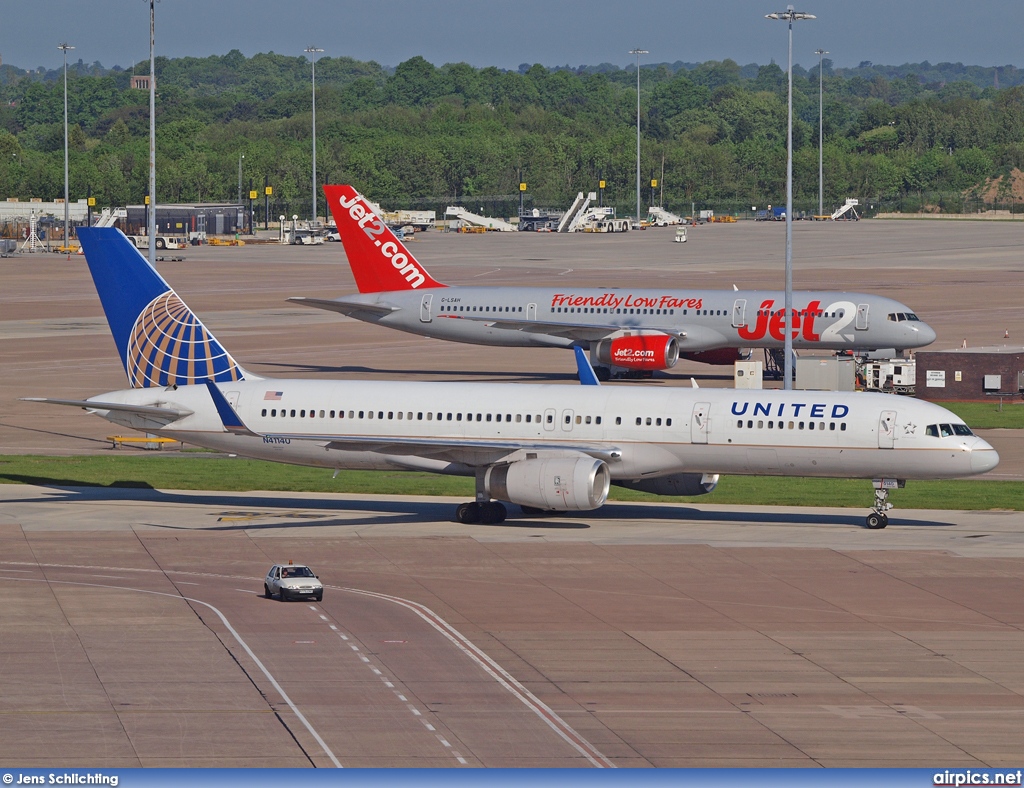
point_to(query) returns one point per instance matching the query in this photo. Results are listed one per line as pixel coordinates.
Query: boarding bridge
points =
(577, 211)
(849, 206)
(475, 220)
(110, 215)
(662, 218)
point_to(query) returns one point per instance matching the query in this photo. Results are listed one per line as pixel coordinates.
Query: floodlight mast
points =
(64, 48)
(821, 137)
(638, 52)
(312, 50)
(151, 215)
(789, 15)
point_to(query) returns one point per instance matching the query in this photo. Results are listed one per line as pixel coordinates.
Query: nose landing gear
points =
(878, 518)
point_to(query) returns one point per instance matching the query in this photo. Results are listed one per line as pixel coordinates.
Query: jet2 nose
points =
(925, 333)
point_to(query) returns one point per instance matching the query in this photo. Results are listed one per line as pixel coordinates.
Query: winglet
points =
(228, 417)
(693, 383)
(379, 261)
(583, 368)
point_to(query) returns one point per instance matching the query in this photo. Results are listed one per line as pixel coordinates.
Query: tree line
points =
(420, 135)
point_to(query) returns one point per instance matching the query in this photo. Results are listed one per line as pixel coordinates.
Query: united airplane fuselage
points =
(640, 433)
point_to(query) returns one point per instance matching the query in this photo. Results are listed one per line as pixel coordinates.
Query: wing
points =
(470, 451)
(464, 450)
(587, 332)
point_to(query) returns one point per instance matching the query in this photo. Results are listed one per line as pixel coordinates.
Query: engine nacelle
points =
(650, 351)
(563, 484)
(723, 356)
(677, 484)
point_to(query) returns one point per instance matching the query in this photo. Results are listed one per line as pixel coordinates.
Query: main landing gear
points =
(878, 518)
(488, 513)
(483, 509)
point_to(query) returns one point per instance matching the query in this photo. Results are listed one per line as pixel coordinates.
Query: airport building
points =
(197, 219)
(969, 373)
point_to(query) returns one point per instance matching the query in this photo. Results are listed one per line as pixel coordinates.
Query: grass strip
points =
(202, 471)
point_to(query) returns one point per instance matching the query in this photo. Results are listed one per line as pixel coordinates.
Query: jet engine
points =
(650, 351)
(677, 484)
(562, 484)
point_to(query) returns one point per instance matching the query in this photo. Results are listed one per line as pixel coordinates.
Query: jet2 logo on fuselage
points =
(769, 322)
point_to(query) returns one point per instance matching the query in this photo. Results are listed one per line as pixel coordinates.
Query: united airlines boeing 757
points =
(544, 447)
(632, 330)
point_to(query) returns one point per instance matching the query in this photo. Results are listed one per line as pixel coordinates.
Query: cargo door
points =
(428, 299)
(862, 317)
(700, 422)
(887, 429)
(739, 313)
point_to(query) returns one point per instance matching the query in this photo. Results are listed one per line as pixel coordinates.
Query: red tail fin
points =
(379, 261)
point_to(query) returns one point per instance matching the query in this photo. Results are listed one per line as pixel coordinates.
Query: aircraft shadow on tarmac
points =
(251, 512)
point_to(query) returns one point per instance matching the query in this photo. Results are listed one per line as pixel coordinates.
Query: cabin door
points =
(428, 299)
(862, 317)
(886, 429)
(700, 423)
(739, 313)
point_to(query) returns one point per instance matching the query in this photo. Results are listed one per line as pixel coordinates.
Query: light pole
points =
(638, 52)
(64, 48)
(787, 363)
(821, 137)
(151, 219)
(240, 157)
(313, 52)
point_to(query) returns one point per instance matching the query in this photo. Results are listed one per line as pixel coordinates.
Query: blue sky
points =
(551, 32)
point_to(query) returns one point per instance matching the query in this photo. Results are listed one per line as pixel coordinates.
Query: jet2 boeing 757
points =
(628, 331)
(544, 447)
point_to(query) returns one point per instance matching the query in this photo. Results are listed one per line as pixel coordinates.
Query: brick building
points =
(969, 373)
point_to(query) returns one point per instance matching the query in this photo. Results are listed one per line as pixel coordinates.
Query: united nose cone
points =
(925, 334)
(983, 457)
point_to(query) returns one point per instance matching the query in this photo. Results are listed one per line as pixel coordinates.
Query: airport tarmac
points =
(640, 635)
(637, 636)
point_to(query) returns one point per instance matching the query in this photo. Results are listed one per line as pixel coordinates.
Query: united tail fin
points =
(160, 340)
(379, 261)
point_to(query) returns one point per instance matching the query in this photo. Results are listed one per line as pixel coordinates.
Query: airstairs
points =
(849, 206)
(110, 215)
(572, 218)
(475, 220)
(659, 217)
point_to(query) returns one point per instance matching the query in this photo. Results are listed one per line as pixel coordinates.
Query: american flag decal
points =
(273, 395)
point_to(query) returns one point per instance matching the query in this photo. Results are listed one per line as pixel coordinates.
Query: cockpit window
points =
(947, 430)
(899, 317)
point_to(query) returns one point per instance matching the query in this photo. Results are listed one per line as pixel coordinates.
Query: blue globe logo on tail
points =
(169, 346)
